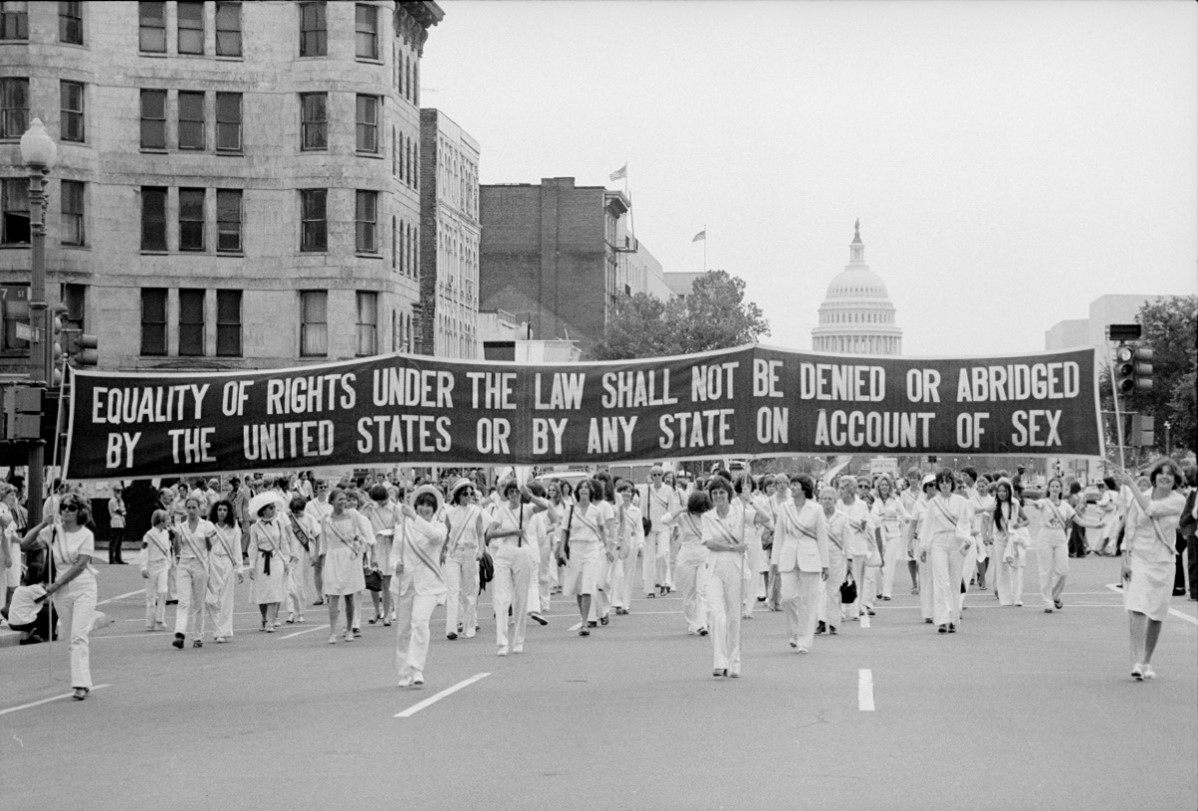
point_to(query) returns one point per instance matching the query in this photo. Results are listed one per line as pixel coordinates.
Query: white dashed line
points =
(428, 702)
(865, 690)
(47, 700)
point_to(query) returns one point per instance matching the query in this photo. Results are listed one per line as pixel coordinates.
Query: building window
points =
(70, 23)
(191, 120)
(71, 99)
(314, 35)
(71, 229)
(14, 107)
(368, 124)
(314, 327)
(74, 298)
(394, 245)
(151, 27)
(153, 321)
(228, 323)
(228, 29)
(153, 218)
(191, 219)
(191, 323)
(314, 121)
(366, 28)
(14, 20)
(228, 122)
(368, 324)
(191, 27)
(228, 220)
(153, 119)
(16, 212)
(366, 220)
(314, 216)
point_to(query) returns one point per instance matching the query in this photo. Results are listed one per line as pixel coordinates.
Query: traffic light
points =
(22, 412)
(1145, 435)
(1142, 363)
(1125, 369)
(82, 348)
(56, 319)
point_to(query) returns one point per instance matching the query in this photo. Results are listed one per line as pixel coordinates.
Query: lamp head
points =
(38, 149)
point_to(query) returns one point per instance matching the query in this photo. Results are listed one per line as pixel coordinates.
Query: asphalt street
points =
(1021, 709)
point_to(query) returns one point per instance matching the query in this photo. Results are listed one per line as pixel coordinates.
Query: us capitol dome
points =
(857, 317)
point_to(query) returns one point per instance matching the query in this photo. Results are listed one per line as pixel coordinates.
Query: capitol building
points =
(857, 316)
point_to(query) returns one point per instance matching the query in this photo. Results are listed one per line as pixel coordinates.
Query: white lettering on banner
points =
(287, 440)
(542, 430)
(1036, 428)
(606, 433)
(712, 382)
(427, 388)
(491, 435)
(872, 429)
(120, 450)
(923, 385)
(1019, 381)
(773, 425)
(637, 389)
(311, 394)
(403, 433)
(195, 444)
(566, 391)
(765, 378)
(135, 406)
(233, 400)
(970, 430)
(697, 429)
(839, 381)
(492, 390)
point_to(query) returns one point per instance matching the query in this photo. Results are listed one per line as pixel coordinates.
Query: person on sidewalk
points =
(116, 521)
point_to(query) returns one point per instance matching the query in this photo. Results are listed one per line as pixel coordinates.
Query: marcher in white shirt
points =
(419, 585)
(916, 546)
(541, 541)
(831, 610)
(513, 558)
(224, 569)
(305, 531)
(858, 542)
(270, 558)
(690, 572)
(1053, 553)
(318, 509)
(661, 499)
(155, 565)
(465, 546)
(889, 520)
(383, 516)
(582, 541)
(945, 537)
(724, 528)
(801, 555)
(193, 541)
(1009, 544)
(630, 538)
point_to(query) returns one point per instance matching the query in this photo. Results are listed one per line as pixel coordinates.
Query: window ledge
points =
(155, 253)
(154, 54)
(154, 150)
(361, 255)
(232, 254)
(15, 246)
(369, 60)
(378, 156)
(228, 58)
(229, 153)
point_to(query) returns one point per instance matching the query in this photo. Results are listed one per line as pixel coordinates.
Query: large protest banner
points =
(752, 401)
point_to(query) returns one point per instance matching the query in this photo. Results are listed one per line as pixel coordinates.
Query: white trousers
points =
(513, 570)
(691, 576)
(191, 581)
(857, 566)
(218, 602)
(1054, 567)
(892, 557)
(412, 614)
(461, 603)
(623, 572)
(725, 585)
(655, 562)
(947, 565)
(800, 601)
(79, 603)
(830, 607)
(969, 567)
(156, 593)
(926, 590)
(297, 589)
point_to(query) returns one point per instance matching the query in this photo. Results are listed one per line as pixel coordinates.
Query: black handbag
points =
(374, 579)
(486, 571)
(848, 590)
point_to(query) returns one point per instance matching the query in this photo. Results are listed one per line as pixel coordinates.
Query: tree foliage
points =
(714, 316)
(1170, 327)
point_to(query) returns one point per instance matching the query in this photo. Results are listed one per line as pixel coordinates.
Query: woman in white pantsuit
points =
(944, 538)
(71, 547)
(859, 543)
(690, 574)
(915, 547)
(465, 546)
(724, 528)
(889, 518)
(414, 561)
(838, 563)
(1148, 560)
(1053, 553)
(630, 538)
(513, 555)
(801, 555)
(193, 541)
(224, 569)
(661, 499)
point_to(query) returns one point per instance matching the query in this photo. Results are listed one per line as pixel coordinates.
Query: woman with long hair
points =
(889, 518)
(465, 547)
(71, 547)
(724, 528)
(945, 537)
(116, 523)
(690, 572)
(1056, 519)
(1149, 560)
(344, 541)
(801, 555)
(224, 563)
(584, 536)
(1009, 545)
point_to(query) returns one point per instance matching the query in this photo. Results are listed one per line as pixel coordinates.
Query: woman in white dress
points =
(945, 537)
(1149, 551)
(305, 532)
(1009, 543)
(224, 569)
(889, 519)
(383, 515)
(584, 535)
(414, 561)
(71, 546)
(801, 555)
(1055, 518)
(465, 546)
(343, 541)
(193, 541)
(724, 528)
(270, 558)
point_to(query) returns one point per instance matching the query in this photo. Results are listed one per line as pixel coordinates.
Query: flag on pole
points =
(620, 173)
(702, 235)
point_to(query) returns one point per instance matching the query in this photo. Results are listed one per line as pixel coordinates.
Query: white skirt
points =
(1149, 589)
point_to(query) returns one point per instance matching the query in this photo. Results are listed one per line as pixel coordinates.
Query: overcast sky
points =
(1010, 162)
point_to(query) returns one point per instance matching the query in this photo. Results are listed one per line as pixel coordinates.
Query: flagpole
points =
(704, 268)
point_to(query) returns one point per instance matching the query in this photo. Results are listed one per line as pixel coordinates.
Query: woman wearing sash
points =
(72, 547)
(801, 555)
(661, 500)
(838, 563)
(1148, 560)
(224, 562)
(465, 547)
(270, 553)
(915, 546)
(945, 536)
(858, 541)
(513, 556)
(419, 584)
(1007, 545)
(745, 494)
(193, 541)
(690, 573)
(724, 528)
(584, 537)
(889, 519)
(767, 515)
(155, 566)
(384, 517)
(342, 542)
(1053, 555)
(304, 531)
(630, 539)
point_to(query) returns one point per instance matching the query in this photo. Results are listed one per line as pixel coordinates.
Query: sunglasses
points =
(69, 508)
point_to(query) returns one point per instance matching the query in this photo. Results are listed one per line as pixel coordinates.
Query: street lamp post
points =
(1168, 443)
(38, 153)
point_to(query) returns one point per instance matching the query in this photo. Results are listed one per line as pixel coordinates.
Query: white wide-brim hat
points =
(458, 485)
(429, 488)
(258, 502)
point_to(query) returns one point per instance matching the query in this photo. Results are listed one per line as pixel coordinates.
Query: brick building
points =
(237, 184)
(549, 256)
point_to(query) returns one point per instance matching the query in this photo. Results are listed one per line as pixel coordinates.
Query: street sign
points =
(24, 331)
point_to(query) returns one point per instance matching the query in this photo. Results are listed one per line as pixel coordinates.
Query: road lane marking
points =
(865, 690)
(1179, 614)
(428, 702)
(305, 631)
(121, 597)
(47, 700)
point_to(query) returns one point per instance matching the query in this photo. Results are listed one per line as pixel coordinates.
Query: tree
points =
(714, 316)
(1170, 326)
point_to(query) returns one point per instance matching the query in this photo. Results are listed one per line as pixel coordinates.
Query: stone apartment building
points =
(237, 184)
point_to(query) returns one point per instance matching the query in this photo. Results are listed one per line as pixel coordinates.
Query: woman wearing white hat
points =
(419, 584)
(270, 557)
(465, 547)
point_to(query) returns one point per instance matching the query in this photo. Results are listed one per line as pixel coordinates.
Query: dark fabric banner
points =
(752, 401)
